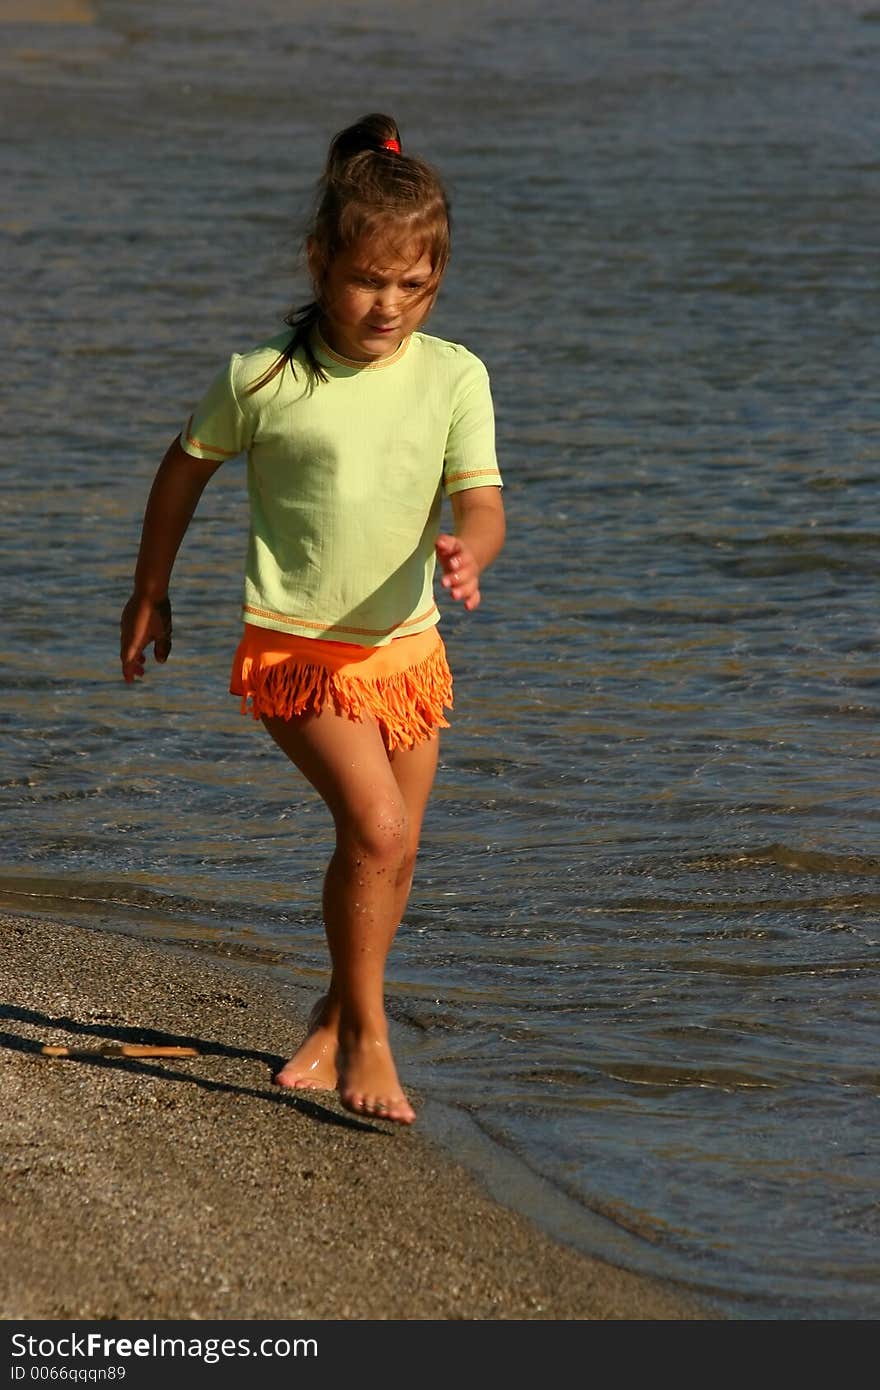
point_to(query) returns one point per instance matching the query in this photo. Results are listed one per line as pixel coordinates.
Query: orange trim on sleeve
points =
(207, 448)
(474, 473)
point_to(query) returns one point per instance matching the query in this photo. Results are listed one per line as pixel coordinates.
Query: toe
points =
(402, 1112)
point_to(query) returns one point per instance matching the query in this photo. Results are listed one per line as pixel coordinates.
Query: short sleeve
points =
(218, 429)
(469, 460)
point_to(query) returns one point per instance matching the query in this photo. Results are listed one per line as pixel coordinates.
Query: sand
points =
(46, 12)
(195, 1189)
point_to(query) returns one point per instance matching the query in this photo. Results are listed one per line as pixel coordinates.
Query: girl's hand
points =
(461, 575)
(143, 621)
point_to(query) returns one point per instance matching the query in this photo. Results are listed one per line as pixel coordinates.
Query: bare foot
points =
(313, 1066)
(368, 1082)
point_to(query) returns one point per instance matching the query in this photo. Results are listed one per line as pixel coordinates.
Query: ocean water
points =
(638, 979)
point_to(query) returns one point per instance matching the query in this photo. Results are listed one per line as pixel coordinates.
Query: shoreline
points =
(195, 1189)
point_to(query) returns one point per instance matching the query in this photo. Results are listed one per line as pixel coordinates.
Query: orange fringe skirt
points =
(403, 685)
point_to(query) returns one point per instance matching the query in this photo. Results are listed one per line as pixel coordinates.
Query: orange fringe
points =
(407, 704)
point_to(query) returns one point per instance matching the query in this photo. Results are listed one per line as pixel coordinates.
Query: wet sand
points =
(195, 1189)
(46, 12)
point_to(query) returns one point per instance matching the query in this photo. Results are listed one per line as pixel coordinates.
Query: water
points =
(642, 952)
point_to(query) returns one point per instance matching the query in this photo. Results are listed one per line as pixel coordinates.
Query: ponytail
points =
(371, 134)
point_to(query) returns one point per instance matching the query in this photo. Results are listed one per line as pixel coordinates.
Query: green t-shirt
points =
(345, 478)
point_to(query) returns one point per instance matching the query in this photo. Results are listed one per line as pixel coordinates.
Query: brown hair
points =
(370, 190)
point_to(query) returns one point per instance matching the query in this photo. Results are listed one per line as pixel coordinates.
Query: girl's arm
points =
(177, 487)
(478, 514)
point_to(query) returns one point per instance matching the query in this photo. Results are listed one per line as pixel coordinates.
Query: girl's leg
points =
(377, 803)
(414, 770)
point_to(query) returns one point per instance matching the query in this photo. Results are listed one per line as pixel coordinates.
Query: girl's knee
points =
(381, 837)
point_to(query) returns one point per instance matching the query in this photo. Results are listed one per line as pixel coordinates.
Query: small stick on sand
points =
(119, 1050)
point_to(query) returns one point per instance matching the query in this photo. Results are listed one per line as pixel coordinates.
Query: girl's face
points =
(370, 307)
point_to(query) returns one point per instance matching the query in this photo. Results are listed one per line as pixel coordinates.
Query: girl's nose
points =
(386, 299)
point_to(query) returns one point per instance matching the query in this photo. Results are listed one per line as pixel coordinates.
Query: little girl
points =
(354, 424)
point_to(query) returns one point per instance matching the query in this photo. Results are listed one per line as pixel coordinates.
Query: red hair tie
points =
(391, 145)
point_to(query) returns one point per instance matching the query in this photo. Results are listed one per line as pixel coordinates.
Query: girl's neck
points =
(327, 342)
